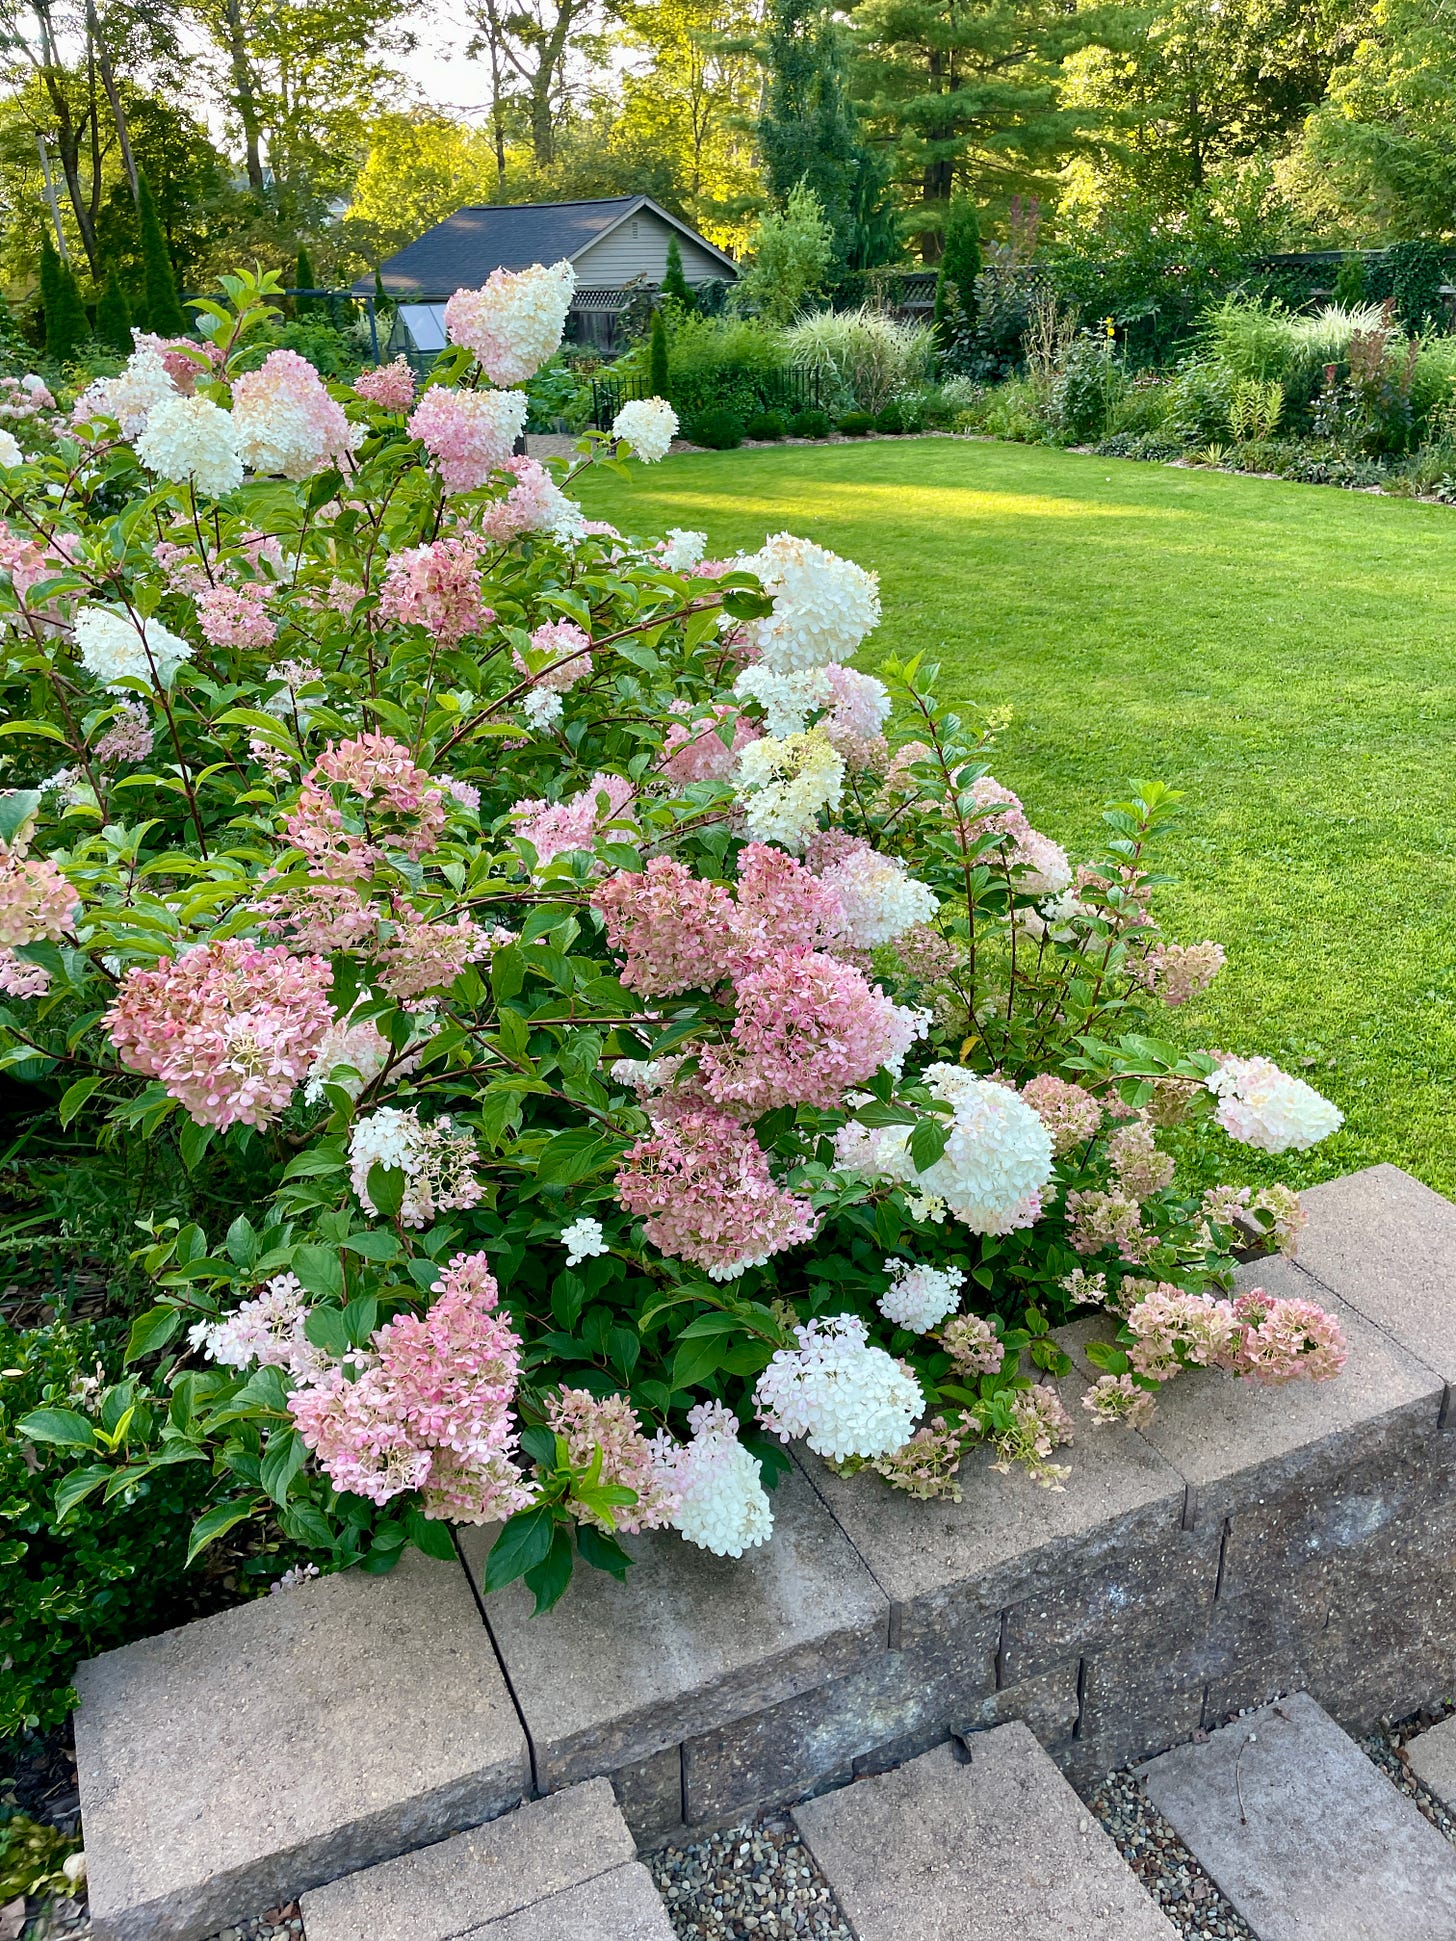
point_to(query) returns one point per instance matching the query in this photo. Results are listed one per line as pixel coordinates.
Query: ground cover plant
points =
(1292, 646)
(624, 1037)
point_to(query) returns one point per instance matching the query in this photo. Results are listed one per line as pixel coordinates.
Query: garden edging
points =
(1247, 1541)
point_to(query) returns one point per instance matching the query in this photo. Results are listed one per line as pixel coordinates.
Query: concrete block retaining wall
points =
(1246, 1542)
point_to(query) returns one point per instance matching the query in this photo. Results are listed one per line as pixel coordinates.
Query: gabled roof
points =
(461, 251)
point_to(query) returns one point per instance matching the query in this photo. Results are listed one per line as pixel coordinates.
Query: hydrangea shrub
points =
(661, 1040)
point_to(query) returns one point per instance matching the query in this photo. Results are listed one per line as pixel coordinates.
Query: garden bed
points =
(1246, 1542)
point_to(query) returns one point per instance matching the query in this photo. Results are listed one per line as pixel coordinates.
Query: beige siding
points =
(621, 256)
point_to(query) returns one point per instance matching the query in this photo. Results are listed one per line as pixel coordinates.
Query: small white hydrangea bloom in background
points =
(919, 1297)
(648, 425)
(114, 648)
(192, 438)
(823, 605)
(10, 452)
(1263, 1107)
(845, 1397)
(722, 1503)
(542, 708)
(582, 1239)
(682, 549)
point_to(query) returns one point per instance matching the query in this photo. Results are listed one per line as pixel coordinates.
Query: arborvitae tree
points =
(809, 134)
(67, 326)
(657, 379)
(960, 265)
(161, 311)
(674, 283)
(113, 316)
(304, 279)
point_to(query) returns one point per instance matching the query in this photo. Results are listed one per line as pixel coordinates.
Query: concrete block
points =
(1432, 1758)
(946, 1564)
(1238, 1444)
(477, 1877)
(1133, 1704)
(690, 1641)
(619, 1906)
(1000, 1849)
(1307, 1838)
(1386, 1245)
(650, 1794)
(240, 1760)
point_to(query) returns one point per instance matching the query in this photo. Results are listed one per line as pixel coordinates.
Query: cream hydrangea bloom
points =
(192, 438)
(114, 647)
(823, 605)
(783, 786)
(1263, 1107)
(845, 1397)
(648, 425)
(513, 323)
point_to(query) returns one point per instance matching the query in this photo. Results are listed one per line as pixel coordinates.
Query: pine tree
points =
(160, 310)
(674, 284)
(960, 265)
(67, 326)
(304, 279)
(657, 379)
(113, 316)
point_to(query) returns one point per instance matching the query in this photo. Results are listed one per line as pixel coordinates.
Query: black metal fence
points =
(787, 391)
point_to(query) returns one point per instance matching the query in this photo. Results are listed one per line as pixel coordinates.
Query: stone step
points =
(623, 1905)
(997, 1849)
(1307, 1839)
(477, 1879)
(1432, 1758)
(232, 1764)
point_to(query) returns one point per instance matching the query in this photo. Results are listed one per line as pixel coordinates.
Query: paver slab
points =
(441, 1891)
(1432, 1756)
(233, 1763)
(618, 1671)
(619, 1906)
(1308, 1839)
(1000, 1849)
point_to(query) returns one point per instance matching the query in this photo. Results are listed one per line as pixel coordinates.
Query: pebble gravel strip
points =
(1167, 1870)
(68, 1921)
(755, 1879)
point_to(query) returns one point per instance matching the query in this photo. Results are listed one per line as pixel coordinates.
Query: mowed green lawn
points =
(1285, 654)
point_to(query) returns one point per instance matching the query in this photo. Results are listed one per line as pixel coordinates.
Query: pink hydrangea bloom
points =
(180, 357)
(423, 956)
(404, 808)
(469, 434)
(267, 1330)
(702, 1184)
(236, 616)
(36, 901)
(514, 322)
(1070, 1114)
(230, 1029)
(670, 924)
(809, 1029)
(436, 587)
(1138, 1168)
(535, 503)
(20, 979)
(698, 753)
(1178, 972)
(1099, 1220)
(319, 916)
(611, 1424)
(27, 559)
(391, 386)
(782, 906)
(286, 421)
(129, 738)
(431, 1410)
(570, 656)
(552, 828)
(1278, 1340)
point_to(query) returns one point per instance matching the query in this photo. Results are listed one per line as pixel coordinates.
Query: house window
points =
(634, 225)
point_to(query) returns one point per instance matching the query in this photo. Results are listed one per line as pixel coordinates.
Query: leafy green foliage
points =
(159, 310)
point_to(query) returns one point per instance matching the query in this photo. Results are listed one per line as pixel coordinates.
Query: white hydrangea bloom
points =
(997, 1158)
(918, 1296)
(845, 1397)
(682, 549)
(783, 785)
(192, 438)
(881, 899)
(267, 1330)
(542, 708)
(648, 425)
(435, 1160)
(10, 452)
(823, 605)
(722, 1503)
(114, 648)
(1261, 1106)
(583, 1239)
(787, 700)
(143, 382)
(1045, 870)
(362, 1047)
(514, 322)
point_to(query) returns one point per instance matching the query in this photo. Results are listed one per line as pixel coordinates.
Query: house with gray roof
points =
(617, 246)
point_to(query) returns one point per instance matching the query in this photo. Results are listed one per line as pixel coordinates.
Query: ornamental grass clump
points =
(625, 1037)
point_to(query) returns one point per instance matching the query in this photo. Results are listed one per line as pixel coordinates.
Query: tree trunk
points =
(245, 96)
(113, 94)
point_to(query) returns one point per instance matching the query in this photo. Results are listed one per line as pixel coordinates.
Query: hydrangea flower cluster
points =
(717, 1484)
(192, 440)
(567, 656)
(436, 587)
(648, 426)
(37, 903)
(553, 828)
(881, 900)
(118, 647)
(919, 1297)
(391, 386)
(286, 422)
(785, 786)
(469, 434)
(264, 1332)
(438, 1163)
(844, 1396)
(514, 322)
(698, 752)
(228, 1028)
(1260, 1106)
(236, 616)
(823, 605)
(611, 1425)
(1070, 1114)
(403, 808)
